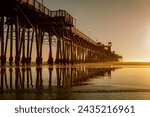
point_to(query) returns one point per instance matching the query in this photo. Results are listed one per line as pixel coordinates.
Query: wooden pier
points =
(24, 23)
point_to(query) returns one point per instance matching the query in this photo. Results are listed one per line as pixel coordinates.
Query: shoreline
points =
(131, 63)
(88, 65)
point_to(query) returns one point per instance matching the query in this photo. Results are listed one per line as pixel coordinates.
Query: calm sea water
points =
(84, 81)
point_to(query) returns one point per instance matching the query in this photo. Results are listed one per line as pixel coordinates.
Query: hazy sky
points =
(126, 23)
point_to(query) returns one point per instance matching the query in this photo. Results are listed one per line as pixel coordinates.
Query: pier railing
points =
(62, 13)
(82, 35)
(42, 9)
(58, 13)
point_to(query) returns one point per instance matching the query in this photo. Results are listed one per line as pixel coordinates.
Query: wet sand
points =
(106, 81)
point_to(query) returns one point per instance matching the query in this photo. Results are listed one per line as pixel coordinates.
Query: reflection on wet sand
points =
(31, 79)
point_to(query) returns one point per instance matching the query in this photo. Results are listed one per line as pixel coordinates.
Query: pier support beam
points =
(58, 51)
(23, 61)
(30, 51)
(29, 44)
(6, 43)
(3, 58)
(17, 33)
(63, 45)
(50, 58)
(39, 43)
(11, 45)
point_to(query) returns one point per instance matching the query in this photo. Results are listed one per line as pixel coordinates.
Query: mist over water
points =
(81, 81)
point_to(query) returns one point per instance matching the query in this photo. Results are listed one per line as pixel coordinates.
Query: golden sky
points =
(126, 23)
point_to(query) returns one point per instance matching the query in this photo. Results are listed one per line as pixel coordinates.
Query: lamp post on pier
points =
(42, 5)
(75, 23)
(89, 33)
(42, 2)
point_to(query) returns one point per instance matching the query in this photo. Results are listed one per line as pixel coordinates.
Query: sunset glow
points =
(126, 23)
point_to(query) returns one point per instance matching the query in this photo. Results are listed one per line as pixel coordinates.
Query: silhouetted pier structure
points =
(27, 22)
